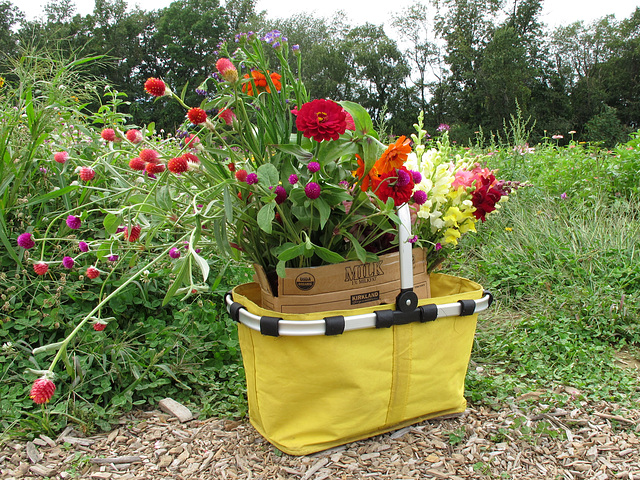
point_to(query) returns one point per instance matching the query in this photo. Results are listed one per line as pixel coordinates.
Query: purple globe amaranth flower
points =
(68, 262)
(417, 176)
(312, 190)
(73, 222)
(403, 178)
(413, 239)
(438, 246)
(83, 246)
(25, 241)
(174, 253)
(420, 196)
(293, 179)
(252, 179)
(281, 194)
(113, 258)
(313, 167)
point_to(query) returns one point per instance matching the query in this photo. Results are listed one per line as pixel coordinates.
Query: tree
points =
(10, 16)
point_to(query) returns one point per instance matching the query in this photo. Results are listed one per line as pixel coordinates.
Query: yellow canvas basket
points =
(315, 381)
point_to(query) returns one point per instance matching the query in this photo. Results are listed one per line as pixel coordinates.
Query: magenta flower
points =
(281, 194)
(420, 196)
(413, 239)
(174, 253)
(252, 179)
(25, 241)
(68, 262)
(563, 195)
(404, 178)
(417, 176)
(312, 190)
(293, 179)
(438, 246)
(61, 157)
(73, 222)
(313, 167)
(112, 258)
(83, 246)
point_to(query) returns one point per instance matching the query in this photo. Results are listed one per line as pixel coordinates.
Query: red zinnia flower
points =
(135, 233)
(227, 70)
(394, 156)
(87, 174)
(261, 83)
(149, 155)
(108, 134)
(42, 390)
(40, 268)
(134, 136)
(137, 164)
(61, 157)
(154, 168)
(155, 87)
(178, 165)
(487, 194)
(197, 116)
(93, 272)
(390, 186)
(322, 120)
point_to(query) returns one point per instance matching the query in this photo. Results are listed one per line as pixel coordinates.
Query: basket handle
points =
(407, 300)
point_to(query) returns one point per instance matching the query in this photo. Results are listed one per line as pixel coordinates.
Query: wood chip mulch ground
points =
(594, 441)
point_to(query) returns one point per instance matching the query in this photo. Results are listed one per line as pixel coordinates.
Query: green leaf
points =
(324, 209)
(268, 174)
(280, 269)
(163, 198)
(111, 223)
(335, 150)
(297, 151)
(181, 278)
(228, 205)
(364, 125)
(266, 215)
(291, 252)
(202, 263)
(360, 251)
(328, 255)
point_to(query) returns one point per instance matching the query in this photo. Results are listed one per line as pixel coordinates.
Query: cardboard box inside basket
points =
(342, 286)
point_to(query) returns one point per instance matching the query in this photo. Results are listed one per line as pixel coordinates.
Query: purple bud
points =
(420, 196)
(73, 222)
(83, 246)
(174, 253)
(417, 176)
(281, 194)
(293, 179)
(312, 190)
(25, 241)
(403, 178)
(112, 258)
(68, 262)
(313, 167)
(252, 179)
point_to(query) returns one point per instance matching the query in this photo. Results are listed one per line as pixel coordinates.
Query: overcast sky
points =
(555, 12)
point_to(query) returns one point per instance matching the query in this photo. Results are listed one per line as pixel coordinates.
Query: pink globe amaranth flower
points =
(134, 136)
(87, 174)
(73, 222)
(417, 176)
(99, 326)
(61, 157)
(313, 167)
(25, 241)
(404, 177)
(420, 196)
(281, 194)
(40, 268)
(155, 87)
(42, 390)
(137, 164)
(312, 190)
(93, 272)
(149, 155)
(68, 262)
(174, 253)
(178, 165)
(227, 70)
(83, 246)
(113, 258)
(108, 134)
(438, 246)
(197, 116)
(293, 179)
(252, 179)
(227, 115)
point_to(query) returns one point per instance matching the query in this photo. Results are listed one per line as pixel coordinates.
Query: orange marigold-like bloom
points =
(261, 83)
(370, 178)
(394, 156)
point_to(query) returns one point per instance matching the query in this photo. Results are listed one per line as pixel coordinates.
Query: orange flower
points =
(370, 178)
(260, 82)
(394, 156)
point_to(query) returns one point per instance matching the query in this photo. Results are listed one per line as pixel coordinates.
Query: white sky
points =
(555, 12)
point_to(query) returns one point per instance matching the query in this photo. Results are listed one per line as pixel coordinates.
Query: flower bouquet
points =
(268, 175)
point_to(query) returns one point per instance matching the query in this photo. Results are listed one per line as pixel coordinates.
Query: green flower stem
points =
(66, 341)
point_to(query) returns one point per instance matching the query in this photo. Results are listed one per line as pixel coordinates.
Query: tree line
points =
(470, 64)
